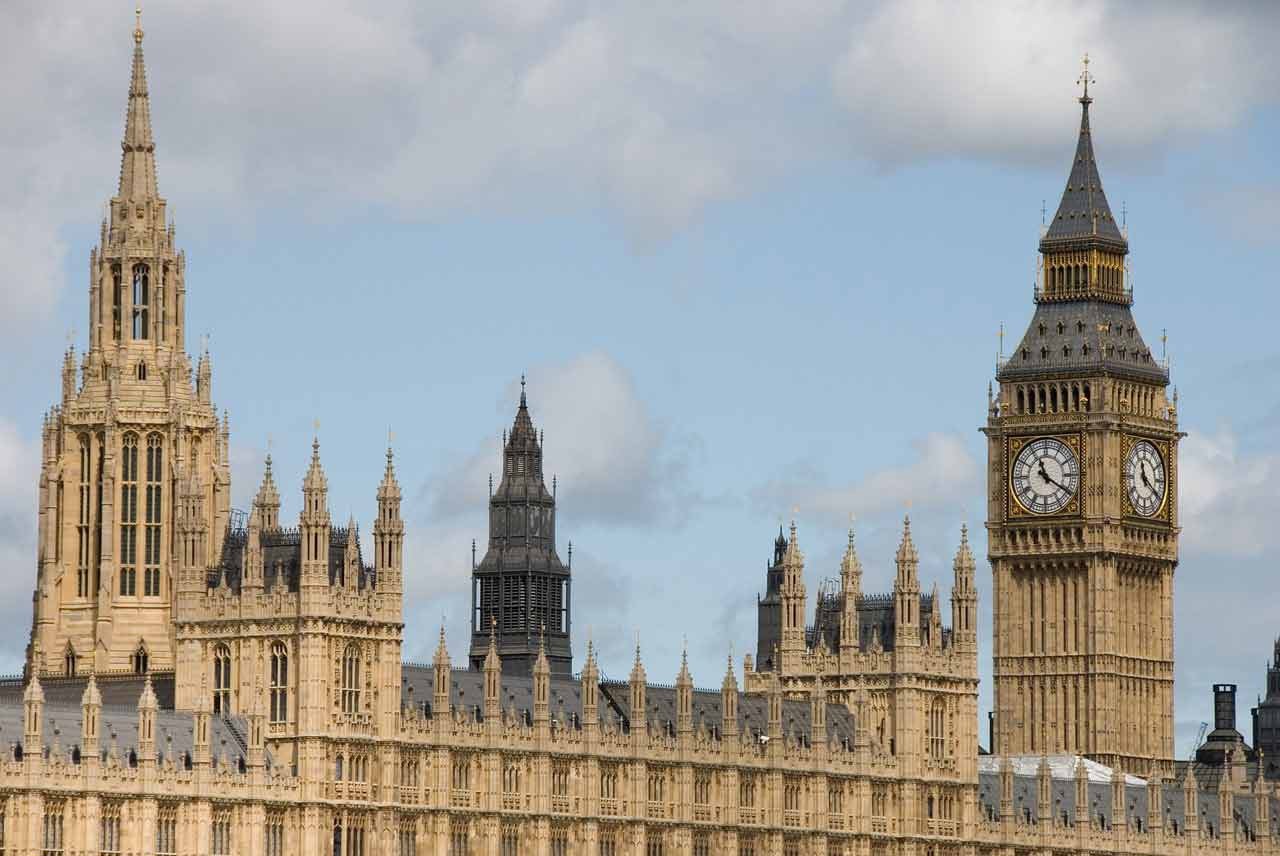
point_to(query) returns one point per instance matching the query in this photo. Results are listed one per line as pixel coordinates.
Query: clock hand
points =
(1142, 470)
(1045, 475)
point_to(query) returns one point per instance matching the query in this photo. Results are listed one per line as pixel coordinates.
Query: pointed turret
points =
(935, 618)
(541, 682)
(90, 713)
(147, 707)
(964, 597)
(138, 161)
(314, 524)
(590, 692)
(729, 702)
(1083, 212)
(442, 680)
(906, 590)
(851, 595)
(268, 499)
(684, 697)
(637, 687)
(492, 679)
(388, 534)
(33, 727)
(769, 608)
(793, 602)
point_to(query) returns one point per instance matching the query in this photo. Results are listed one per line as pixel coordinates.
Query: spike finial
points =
(1085, 79)
(137, 24)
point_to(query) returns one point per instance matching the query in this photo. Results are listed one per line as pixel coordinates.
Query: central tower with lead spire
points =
(520, 590)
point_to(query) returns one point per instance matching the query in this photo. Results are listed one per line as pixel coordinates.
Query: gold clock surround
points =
(1165, 513)
(1013, 448)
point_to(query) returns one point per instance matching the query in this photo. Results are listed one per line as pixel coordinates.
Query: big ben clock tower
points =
(1082, 504)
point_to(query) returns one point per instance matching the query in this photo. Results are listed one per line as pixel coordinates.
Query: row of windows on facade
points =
(110, 840)
(278, 688)
(659, 784)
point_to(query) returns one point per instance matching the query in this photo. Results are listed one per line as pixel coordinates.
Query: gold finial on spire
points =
(1085, 78)
(137, 24)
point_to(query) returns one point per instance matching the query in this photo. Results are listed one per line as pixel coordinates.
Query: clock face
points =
(1144, 478)
(1045, 476)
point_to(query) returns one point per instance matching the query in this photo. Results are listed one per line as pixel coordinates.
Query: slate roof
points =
(1083, 212)
(1096, 337)
(467, 693)
(118, 720)
(282, 551)
(1063, 795)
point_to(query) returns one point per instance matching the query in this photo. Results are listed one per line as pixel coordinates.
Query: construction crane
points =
(1204, 726)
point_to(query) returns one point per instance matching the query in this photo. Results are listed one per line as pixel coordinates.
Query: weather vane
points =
(1085, 77)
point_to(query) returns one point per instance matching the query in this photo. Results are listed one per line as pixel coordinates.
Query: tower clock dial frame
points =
(1148, 478)
(1045, 473)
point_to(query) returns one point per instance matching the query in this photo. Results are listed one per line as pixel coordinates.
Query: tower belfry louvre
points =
(1082, 513)
(132, 425)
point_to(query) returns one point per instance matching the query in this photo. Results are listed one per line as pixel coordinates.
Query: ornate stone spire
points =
(267, 502)
(964, 596)
(138, 159)
(906, 591)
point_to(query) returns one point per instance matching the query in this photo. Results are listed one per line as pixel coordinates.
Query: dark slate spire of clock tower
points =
(520, 588)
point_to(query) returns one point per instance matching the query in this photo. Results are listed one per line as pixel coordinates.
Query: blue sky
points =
(750, 262)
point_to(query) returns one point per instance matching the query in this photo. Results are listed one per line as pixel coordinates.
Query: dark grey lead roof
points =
(1084, 212)
(467, 694)
(1096, 337)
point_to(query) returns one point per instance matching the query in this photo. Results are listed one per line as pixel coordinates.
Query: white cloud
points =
(613, 461)
(988, 80)
(942, 475)
(19, 485)
(1229, 501)
(334, 106)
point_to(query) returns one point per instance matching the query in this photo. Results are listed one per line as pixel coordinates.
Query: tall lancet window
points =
(222, 680)
(141, 301)
(117, 301)
(82, 522)
(151, 552)
(351, 679)
(129, 516)
(279, 683)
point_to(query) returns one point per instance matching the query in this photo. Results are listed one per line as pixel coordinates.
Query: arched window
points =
(129, 516)
(936, 733)
(141, 301)
(140, 659)
(151, 551)
(117, 296)
(69, 665)
(142, 370)
(351, 679)
(82, 523)
(279, 683)
(222, 680)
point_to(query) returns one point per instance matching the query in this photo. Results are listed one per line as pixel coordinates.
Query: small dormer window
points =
(1044, 353)
(1041, 329)
(1066, 350)
(1084, 349)
(1025, 354)
(1061, 328)
(1079, 326)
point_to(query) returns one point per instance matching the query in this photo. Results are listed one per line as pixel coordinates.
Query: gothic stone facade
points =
(202, 685)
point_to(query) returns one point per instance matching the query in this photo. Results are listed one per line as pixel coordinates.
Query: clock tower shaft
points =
(1083, 585)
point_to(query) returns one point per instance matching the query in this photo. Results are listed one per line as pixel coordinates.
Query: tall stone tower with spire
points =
(1082, 504)
(132, 425)
(520, 587)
